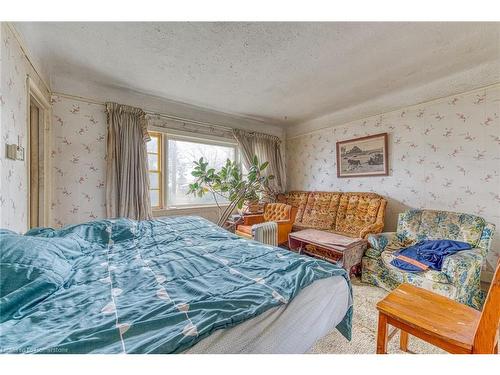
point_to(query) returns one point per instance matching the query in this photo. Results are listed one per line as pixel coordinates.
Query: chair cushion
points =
(277, 211)
(432, 275)
(321, 210)
(434, 225)
(247, 229)
(356, 210)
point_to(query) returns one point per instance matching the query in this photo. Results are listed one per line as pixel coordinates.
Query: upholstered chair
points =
(282, 214)
(459, 278)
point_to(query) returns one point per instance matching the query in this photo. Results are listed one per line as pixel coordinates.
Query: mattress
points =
(293, 328)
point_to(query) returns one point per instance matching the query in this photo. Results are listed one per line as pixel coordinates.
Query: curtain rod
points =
(151, 113)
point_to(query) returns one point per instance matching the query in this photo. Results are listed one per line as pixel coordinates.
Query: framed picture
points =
(361, 157)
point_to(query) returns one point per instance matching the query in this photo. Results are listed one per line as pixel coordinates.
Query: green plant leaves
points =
(229, 182)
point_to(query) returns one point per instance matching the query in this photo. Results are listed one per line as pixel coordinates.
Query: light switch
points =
(20, 153)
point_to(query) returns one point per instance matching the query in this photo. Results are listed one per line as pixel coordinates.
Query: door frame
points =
(35, 93)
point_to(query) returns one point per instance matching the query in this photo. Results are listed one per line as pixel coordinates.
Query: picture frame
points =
(363, 157)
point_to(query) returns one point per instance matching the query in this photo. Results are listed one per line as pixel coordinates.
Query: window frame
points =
(183, 136)
(159, 171)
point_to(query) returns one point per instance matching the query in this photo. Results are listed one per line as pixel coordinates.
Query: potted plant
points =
(252, 204)
(229, 185)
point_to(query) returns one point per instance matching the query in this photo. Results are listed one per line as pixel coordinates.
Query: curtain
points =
(127, 182)
(267, 148)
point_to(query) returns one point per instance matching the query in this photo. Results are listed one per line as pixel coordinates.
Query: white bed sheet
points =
(292, 328)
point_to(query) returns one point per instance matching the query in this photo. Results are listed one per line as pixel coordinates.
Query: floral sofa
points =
(459, 278)
(349, 214)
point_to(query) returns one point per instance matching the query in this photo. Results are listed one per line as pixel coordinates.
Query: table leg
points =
(403, 341)
(382, 334)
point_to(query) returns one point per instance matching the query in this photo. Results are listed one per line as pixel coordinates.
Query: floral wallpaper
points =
(79, 166)
(442, 155)
(78, 161)
(15, 68)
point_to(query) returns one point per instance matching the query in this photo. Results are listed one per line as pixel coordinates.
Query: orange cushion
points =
(245, 229)
(356, 210)
(321, 209)
(277, 211)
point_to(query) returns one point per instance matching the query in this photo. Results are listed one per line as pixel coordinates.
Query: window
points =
(154, 148)
(180, 152)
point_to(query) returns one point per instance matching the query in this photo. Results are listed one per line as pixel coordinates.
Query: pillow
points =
(87, 236)
(93, 231)
(31, 269)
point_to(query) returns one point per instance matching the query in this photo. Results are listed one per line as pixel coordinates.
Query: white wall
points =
(443, 155)
(15, 68)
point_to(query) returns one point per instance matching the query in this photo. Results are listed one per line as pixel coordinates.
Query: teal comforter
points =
(156, 286)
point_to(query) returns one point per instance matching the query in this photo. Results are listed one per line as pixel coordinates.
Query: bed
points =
(171, 285)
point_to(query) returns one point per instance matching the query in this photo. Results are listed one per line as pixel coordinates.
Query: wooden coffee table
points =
(344, 251)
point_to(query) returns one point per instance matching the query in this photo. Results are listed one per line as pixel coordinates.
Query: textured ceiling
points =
(281, 73)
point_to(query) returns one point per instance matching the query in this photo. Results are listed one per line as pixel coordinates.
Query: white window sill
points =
(180, 208)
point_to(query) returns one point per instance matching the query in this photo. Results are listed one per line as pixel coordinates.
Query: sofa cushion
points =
(321, 210)
(409, 224)
(434, 225)
(376, 272)
(297, 199)
(356, 210)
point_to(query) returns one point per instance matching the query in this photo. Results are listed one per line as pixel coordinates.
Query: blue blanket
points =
(156, 286)
(427, 254)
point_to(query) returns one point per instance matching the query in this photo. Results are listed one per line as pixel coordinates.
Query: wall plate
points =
(11, 151)
(14, 152)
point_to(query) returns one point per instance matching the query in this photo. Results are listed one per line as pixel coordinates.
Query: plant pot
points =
(253, 207)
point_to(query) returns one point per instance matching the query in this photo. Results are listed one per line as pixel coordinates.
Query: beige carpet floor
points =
(364, 329)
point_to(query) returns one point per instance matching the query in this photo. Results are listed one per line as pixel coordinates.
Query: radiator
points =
(266, 233)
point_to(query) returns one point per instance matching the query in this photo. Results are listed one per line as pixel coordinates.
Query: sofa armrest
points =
(378, 243)
(253, 219)
(374, 228)
(464, 267)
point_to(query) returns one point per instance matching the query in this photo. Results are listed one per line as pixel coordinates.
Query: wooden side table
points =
(344, 251)
(231, 224)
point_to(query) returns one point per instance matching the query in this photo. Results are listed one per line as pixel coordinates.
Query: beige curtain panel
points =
(127, 181)
(267, 148)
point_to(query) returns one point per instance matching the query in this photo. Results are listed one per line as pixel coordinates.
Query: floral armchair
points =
(459, 277)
